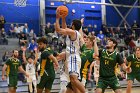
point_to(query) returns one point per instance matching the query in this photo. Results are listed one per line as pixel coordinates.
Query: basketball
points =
(63, 11)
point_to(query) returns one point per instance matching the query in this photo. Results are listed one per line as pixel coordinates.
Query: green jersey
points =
(108, 63)
(134, 62)
(86, 60)
(12, 66)
(46, 65)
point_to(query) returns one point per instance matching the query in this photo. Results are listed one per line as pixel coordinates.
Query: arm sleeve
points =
(45, 54)
(119, 59)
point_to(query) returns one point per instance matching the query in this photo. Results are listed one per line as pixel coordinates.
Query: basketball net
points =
(20, 3)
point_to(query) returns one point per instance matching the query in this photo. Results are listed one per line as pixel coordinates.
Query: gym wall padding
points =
(13, 14)
(92, 15)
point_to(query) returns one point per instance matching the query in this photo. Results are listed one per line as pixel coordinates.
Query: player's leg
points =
(12, 90)
(34, 84)
(130, 79)
(69, 90)
(74, 72)
(47, 90)
(30, 87)
(76, 83)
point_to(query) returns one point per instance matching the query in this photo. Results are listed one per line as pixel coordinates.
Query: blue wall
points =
(92, 16)
(29, 14)
(113, 18)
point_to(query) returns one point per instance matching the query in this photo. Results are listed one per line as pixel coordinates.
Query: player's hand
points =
(128, 70)
(56, 66)
(58, 16)
(82, 21)
(27, 75)
(95, 39)
(3, 77)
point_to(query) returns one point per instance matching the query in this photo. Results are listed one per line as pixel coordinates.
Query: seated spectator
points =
(3, 39)
(22, 39)
(32, 45)
(12, 31)
(32, 35)
(101, 37)
(48, 29)
(17, 30)
(26, 29)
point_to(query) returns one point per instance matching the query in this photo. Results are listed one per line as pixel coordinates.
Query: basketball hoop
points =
(20, 3)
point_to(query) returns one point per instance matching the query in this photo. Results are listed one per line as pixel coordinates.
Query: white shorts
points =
(74, 64)
(31, 78)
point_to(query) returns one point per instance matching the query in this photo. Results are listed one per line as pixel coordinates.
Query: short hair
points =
(43, 40)
(114, 42)
(137, 47)
(32, 57)
(77, 24)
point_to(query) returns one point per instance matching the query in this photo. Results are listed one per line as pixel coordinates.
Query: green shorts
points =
(112, 82)
(12, 81)
(46, 82)
(133, 76)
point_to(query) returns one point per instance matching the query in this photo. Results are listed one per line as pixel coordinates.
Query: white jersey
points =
(96, 69)
(30, 69)
(73, 53)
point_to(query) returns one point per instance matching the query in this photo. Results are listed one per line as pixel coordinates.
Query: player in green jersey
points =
(108, 60)
(87, 57)
(134, 62)
(12, 65)
(47, 72)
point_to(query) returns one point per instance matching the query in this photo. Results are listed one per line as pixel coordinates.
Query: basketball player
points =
(47, 72)
(95, 64)
(73, 41)
(31, 69)
(134, 62)
(108, 59)
(87, 57)
(12, 65)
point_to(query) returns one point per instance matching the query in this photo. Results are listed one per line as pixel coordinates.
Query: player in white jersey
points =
(73, 43)
(95, 64)
(31, 70)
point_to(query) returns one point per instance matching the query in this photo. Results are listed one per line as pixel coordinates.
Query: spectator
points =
(48, 29)
(32, 35)
(26, 29)
(101, 37)
(17, 30)
(12, 31)
(3, 39)
(135, 27)
(22, 39)
(32, 45)
(2, 22)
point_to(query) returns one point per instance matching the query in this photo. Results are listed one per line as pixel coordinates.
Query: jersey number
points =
(106, 62)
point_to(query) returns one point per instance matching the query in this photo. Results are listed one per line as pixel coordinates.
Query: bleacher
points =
(23, 88)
